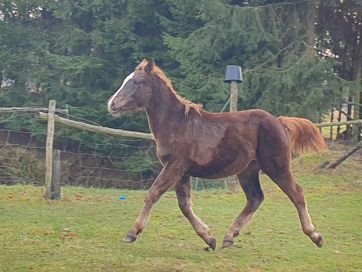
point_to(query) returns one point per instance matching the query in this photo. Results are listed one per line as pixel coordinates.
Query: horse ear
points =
(149, 66)
(141, 65)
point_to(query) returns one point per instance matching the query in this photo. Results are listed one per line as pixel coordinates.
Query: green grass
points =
(82, 231)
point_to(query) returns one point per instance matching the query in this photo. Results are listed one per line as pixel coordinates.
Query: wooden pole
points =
(234, 92)
(331, 128)
(98, 129)
(339, 120)
(234, 96)
(327, 124)
(57, 171)
(195, 182)
(29, 109)
(356, 115)
(358, 96)
(49, 151)
(342, 158)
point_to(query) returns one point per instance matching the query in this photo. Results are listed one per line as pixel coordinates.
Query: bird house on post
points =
(233, 75)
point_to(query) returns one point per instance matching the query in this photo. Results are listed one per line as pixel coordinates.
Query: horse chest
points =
(165, 152)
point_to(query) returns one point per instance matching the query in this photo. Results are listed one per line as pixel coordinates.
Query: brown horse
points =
(194, 142)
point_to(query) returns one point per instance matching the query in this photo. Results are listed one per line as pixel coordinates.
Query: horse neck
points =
(164, 112)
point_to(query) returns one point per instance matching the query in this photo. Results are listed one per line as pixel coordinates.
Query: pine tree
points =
(274, 43)
(339, 29)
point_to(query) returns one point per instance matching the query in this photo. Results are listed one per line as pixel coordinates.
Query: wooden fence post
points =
(231, 182)
(57, 171)
(234, 92)
(331, 127)
(49, 152)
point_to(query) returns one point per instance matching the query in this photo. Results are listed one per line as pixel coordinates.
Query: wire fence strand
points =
(87, 159)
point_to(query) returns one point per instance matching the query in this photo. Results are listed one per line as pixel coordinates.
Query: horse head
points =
(135, 91)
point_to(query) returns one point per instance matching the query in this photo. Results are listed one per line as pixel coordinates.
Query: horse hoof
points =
(227, 243)
(319, 241)
(129, 238)
(212, 244)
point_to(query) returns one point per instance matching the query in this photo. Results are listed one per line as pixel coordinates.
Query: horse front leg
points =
(170, 175)
(183, 192)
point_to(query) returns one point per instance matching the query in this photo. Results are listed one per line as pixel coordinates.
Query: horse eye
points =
(137, 82)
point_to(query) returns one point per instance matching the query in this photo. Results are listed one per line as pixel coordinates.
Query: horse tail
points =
(304, 136)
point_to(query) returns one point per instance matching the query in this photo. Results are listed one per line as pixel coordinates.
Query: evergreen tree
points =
(274, 43)
(298, 57)
(339, 29)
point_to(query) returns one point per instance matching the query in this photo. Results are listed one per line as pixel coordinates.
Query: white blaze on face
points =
(119, 89)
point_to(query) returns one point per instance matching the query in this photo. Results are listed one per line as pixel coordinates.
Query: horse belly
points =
(217, 170)
(223, 166)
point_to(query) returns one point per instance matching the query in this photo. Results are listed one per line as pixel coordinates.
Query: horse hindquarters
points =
(274, 158)
(294, 191)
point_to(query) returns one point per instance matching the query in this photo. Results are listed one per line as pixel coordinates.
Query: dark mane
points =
(162, 76)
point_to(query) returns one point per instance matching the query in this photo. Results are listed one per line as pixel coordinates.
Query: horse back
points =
(217, 145)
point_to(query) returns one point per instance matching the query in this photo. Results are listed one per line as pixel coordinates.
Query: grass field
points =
(82, 231)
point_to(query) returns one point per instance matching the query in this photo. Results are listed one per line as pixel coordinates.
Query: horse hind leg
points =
(183, 192)
(286, 183)
(249, 181)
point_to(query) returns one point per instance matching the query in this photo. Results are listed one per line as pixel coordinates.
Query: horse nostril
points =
(112, 104)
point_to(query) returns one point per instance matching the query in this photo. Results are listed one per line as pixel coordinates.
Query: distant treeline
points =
(298, 57)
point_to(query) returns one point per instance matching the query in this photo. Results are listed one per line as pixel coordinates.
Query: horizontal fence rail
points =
(99, 129)
(342, 123)
(149, 136)
(31, 109)
(82, 168)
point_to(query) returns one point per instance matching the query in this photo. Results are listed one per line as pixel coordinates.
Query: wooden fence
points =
(51, 184)
(52, 157)
(97, 129)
